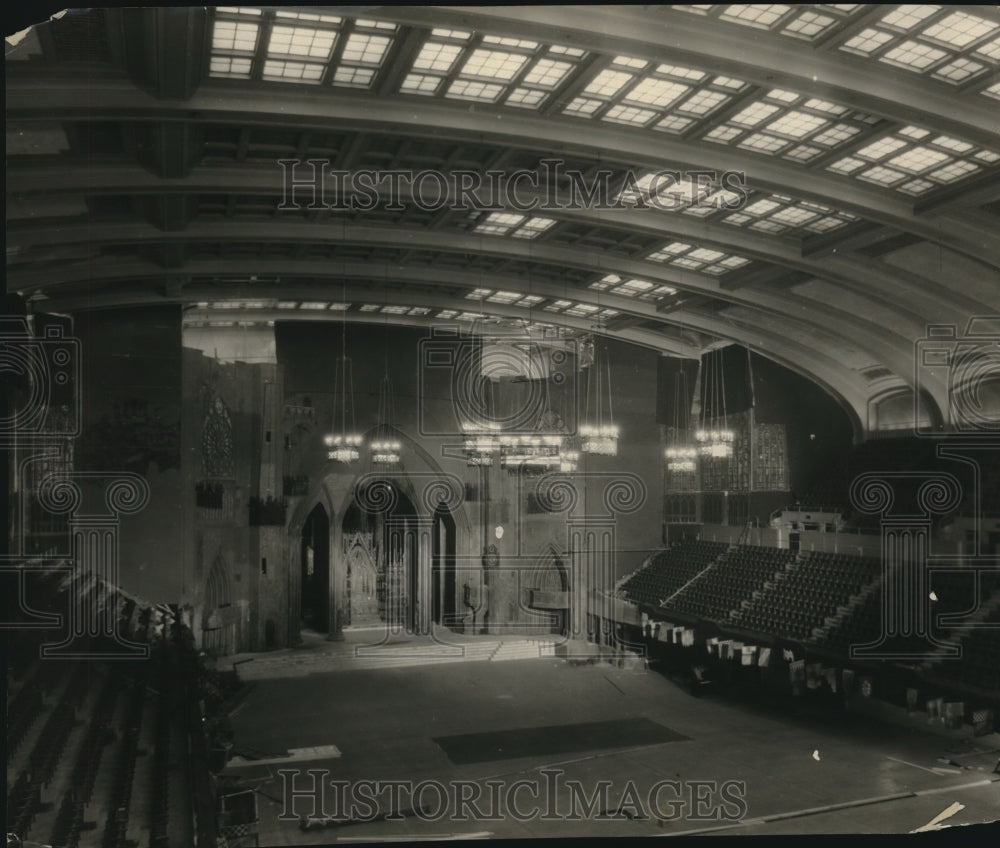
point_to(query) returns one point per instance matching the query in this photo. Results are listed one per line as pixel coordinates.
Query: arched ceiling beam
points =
(867, 277)
(37, 98)
(659, 34)
(848, 388)
(882, 342)
(897, 358)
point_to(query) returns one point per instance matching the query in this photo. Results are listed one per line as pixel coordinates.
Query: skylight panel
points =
(734, 262)
(955, 171)
(825, 225)
(367, 23)
(796, 124)
(527, 97)
(395, 310)
(630, 286)
(239, 36)
(847, 165)
(825, 106)
(668, 251)
(959, 71)
(301, 42)
(567, 51)
(991, 50)
(435, 56)
(498, 223)
(881, 148)
(478, 294)
(420, 84)
(685, 189)
(992, 90)
(702, 102)
(358, 77)
(960, 29)
(301, 71)
(461, 34)
(754, 114)
(547, 73)
(704, 254)
(583, 106)
(761, 16)
(808, 25)
(682, 72)
(503, 297)
(763, 142)
(557, 305)
(339, 307)
(533, 227)
(802, 153)
(950, 143)
(914, 132)
(608, 83)
(916, 187)
(866, 42)
(511, 42)
(418, 310)
(447, 313)
(530, 300)
(657, 92)
(369, 307)
(723, 134)
(629, 115)
(364, 49)
(673, 124)
(729, 82)
(229, 66)
(314, 304)
(913, 55)
(469, 316)
(881, 175)
(918, 159)
(472, 90)
(495, 64)
(238, 10)
(684, 262)
(760, 207)
(987, 156)
(630, 62)
(908, 16)
(793, 216)
(832, 136)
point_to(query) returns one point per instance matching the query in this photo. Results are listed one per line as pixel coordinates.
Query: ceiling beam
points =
(38, 97)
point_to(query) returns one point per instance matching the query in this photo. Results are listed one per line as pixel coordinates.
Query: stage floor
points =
(720, 765)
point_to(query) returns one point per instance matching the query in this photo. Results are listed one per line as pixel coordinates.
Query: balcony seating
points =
(669, 570)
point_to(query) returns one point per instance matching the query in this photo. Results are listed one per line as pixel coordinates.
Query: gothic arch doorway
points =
(219, 625)
(443, 599)
(380, 556)
(315, 565)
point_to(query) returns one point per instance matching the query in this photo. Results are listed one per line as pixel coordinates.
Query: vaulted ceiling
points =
(145, 145)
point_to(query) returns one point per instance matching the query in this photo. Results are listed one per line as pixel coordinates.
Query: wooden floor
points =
(802, 773)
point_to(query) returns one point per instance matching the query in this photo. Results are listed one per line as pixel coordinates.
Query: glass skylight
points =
(301, 42)
(494, 64)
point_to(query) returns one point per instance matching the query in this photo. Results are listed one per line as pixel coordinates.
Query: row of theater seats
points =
(979, 665)
(669, 570)
(736, 575)
(810, 592)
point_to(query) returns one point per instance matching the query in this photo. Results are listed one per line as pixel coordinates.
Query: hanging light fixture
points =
(681, 452)
(713, 435)
(599, 434)
(344, 443)
(385, 447)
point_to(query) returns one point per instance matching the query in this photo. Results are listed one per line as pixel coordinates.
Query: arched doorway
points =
(315, 565)
(219, 627)
(444, 610)
(380, 557)
(550, 579)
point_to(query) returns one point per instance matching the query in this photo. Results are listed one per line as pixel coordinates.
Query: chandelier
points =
(681, 452)
(384, 447)
(480, 442)
(598, 433)
(530, 452)
(713, 435)
(344, 443)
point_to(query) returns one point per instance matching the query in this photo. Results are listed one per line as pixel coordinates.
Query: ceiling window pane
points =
(960, 29)
(702, 102)
(796, 124)
(918, 159)
(494, 64)
(908, 16)
(365, 49)
(754, 114)
(762, 16)
(547, 73)
(608, 83)
(866, 42)
(435, 56)
(420, 84)
(657, 92)
(913, 55)
(629, 115)
(303, 42)
(299, 71)
(230, 35)
(472, 90)
(959, 71)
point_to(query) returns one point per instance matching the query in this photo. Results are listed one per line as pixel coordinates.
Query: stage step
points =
(368, 657)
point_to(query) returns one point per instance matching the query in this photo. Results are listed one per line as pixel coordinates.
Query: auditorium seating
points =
(810, 591)
(669, 570)
(734, 577)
